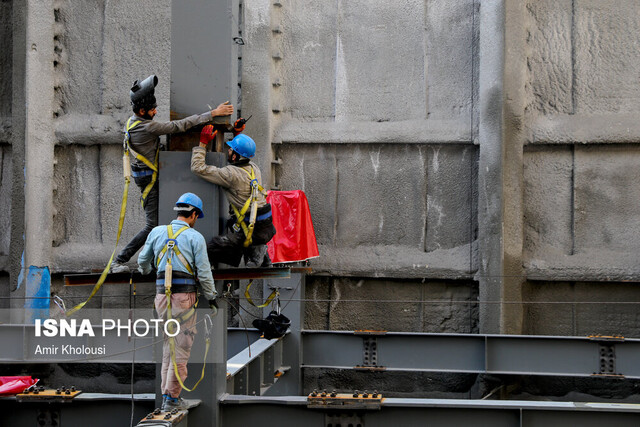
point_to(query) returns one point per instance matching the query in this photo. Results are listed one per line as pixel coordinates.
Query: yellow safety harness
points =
(252, 202)
(170, 248)
(153, 166)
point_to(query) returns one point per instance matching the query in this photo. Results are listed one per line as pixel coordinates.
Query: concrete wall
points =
(452, 151)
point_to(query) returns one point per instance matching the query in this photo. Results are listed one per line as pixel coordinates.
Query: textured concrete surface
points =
(391, 305)
(424, 223)
(582, 309)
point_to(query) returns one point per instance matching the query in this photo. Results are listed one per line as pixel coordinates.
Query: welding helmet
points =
(273, 326)
(143, 93)
(243, 145)
(189, 201)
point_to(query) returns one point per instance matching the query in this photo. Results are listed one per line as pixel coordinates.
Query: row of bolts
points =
(335, 394)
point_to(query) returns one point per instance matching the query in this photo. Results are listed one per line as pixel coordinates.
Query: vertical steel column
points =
(291, 296)
(204, 56)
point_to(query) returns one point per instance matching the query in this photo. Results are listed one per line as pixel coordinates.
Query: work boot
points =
(117, 267)
(179, 403)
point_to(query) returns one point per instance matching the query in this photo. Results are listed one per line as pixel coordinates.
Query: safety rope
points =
(103, 276)
(270, 298)
(170, 249)
(126, 165)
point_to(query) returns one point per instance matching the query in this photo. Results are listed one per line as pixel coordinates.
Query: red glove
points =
(207, 134)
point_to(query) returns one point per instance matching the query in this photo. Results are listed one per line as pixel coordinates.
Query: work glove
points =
(207, 134)
(213, 305)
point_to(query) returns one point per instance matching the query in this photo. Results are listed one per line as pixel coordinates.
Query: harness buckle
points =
(254, 183)
(171, 243)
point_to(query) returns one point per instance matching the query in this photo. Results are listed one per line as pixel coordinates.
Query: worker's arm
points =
(220, 176)
(203, 267)
(146, 257)
(175, 126)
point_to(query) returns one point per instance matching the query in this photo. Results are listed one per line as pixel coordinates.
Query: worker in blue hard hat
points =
(251, 223)
(178, 253)
(142, 141)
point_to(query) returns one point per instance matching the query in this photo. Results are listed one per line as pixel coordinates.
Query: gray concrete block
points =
(366, 305)
(448, 62)
(549, 60)
(582, 309)
(606, 195)
(380, 196)
(341, 303)
(548, 201)
(6, 183)
(451, 196)
(316, 309)
(312, 169)
(607, 56)
(309, 33)
(372, 87)
(449, 307)
(77, 195)
(6, 57)
(80, 58)
(136, 43)
(375, 194)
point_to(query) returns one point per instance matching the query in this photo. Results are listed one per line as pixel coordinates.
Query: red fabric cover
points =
(295, 239)
(15, 385)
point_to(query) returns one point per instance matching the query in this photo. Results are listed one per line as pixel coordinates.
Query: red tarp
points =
(295, 239)
(15, 385)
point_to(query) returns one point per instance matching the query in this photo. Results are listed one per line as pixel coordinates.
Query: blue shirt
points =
(192, 246)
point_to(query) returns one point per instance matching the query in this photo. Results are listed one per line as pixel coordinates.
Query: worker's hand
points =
(224, 109)
(206, 135)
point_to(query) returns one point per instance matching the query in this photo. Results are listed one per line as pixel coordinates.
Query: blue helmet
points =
(191, 200)
(243, 145)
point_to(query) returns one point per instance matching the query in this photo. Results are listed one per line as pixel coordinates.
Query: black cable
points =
(225, 299)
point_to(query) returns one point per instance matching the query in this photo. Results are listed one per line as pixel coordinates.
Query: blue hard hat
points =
(243, 145)
(191, 200)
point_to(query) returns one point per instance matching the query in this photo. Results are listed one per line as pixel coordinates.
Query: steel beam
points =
(292, 411)
(492, 354)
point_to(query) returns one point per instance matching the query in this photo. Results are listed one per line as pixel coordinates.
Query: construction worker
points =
(242, 183)
(181, 250)
(142, 139)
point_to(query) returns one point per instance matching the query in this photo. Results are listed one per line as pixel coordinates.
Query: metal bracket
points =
(607, 352)
(351, 419)
(336, 400)
(369, 354)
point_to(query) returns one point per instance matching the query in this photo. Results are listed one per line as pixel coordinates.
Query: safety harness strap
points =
(252, 202)
(153, 166)
(176, 251)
